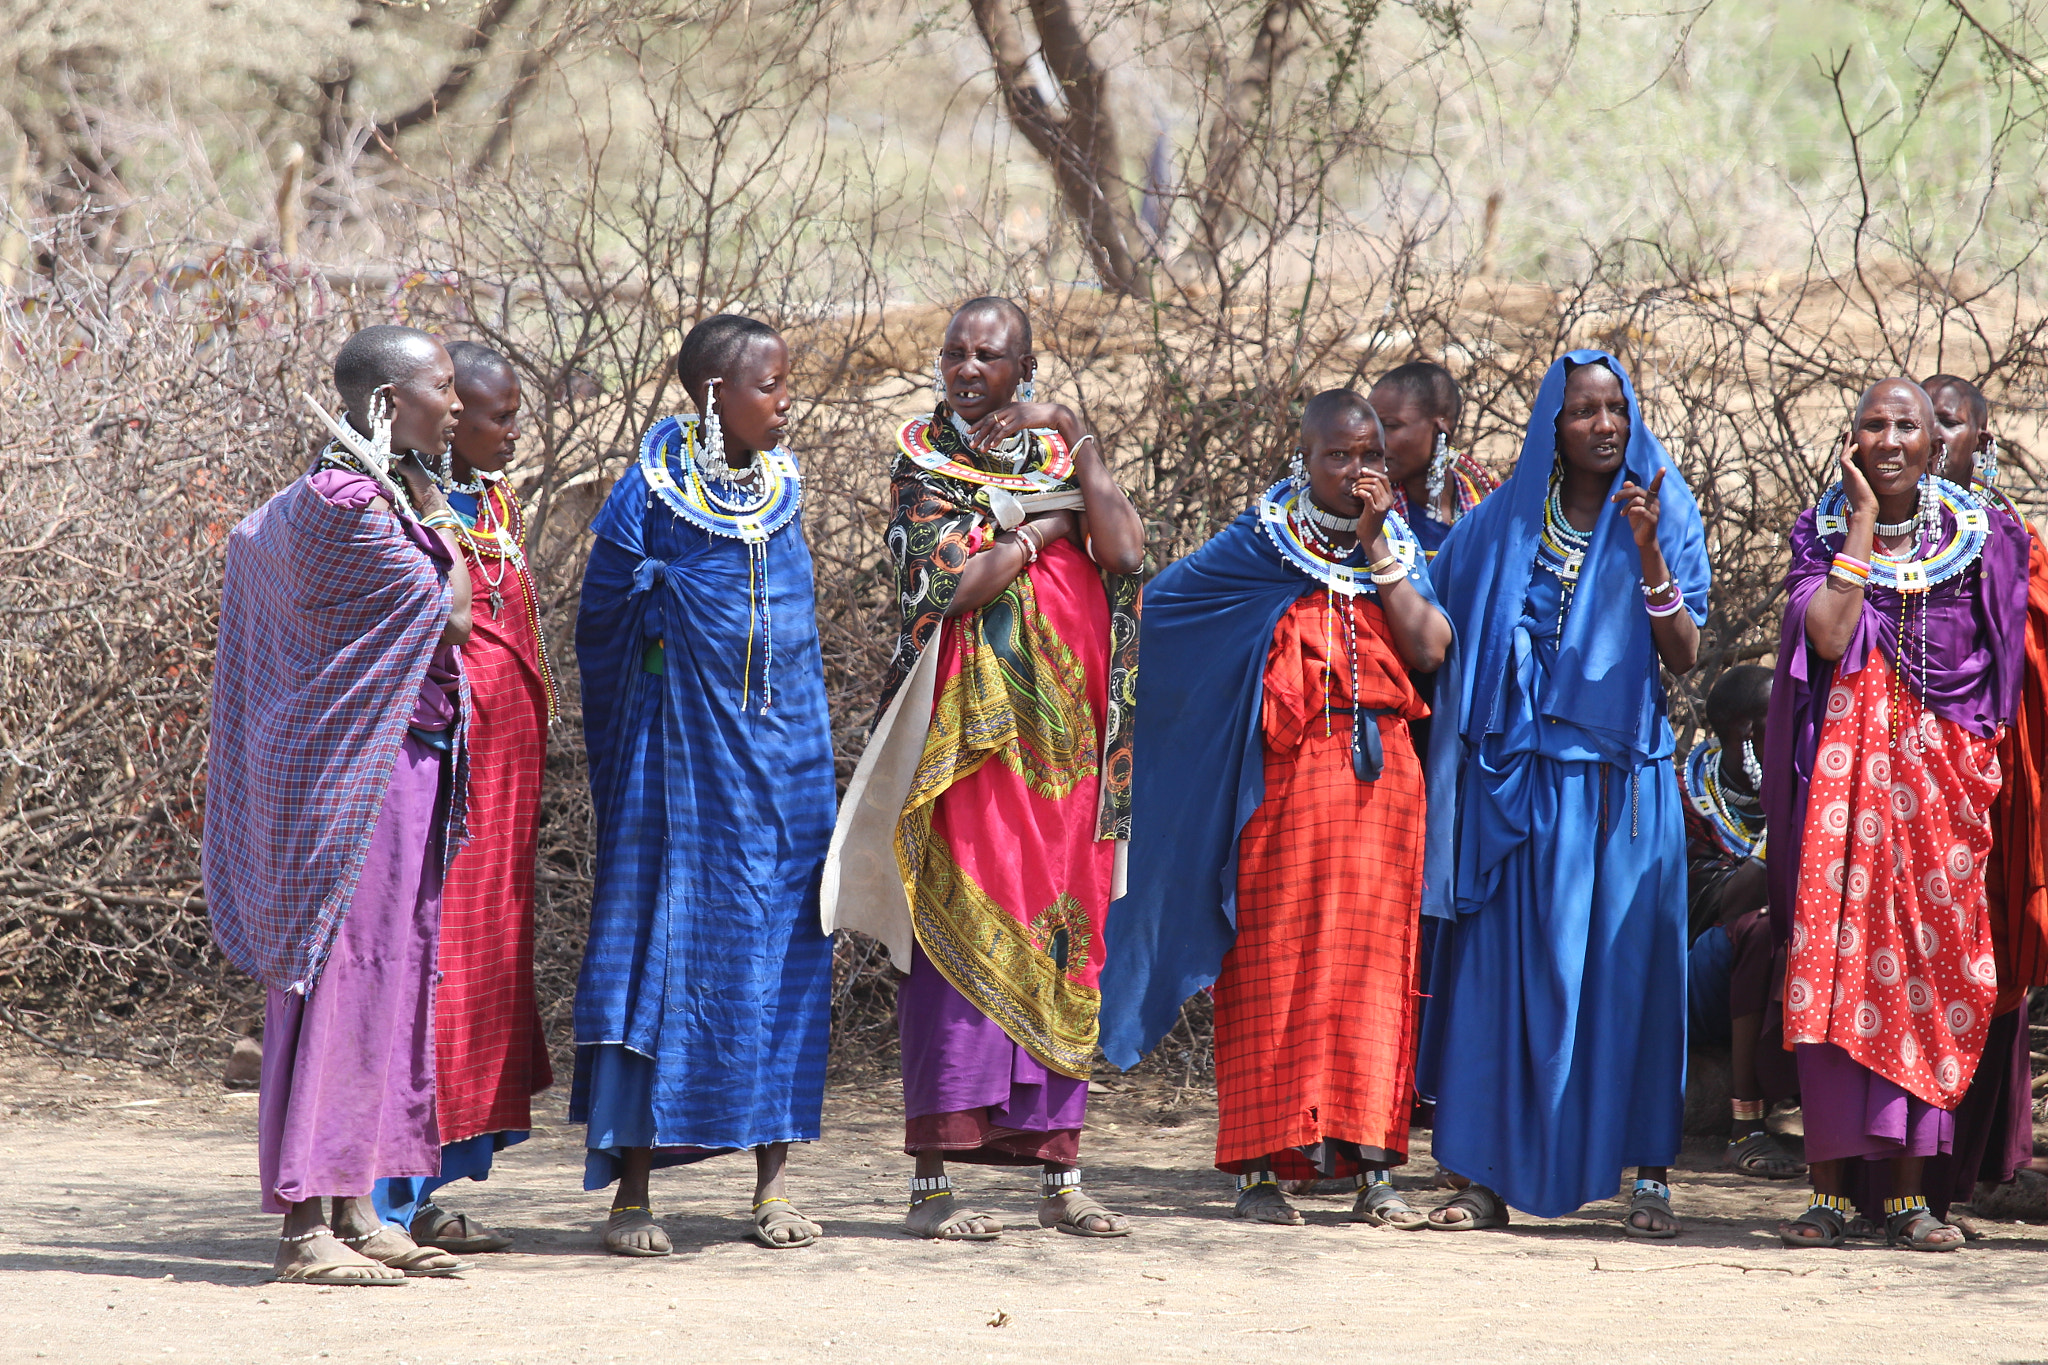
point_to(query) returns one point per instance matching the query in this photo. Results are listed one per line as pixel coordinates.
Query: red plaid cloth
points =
(1316, 1004)
(490, 1056)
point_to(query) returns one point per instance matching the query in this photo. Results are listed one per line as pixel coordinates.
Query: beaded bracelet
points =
(1665, 586)
(1671, 608)
(1852, 571)
(1030, 544)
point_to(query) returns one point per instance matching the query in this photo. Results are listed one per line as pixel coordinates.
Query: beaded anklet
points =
(1053, 1184)
(924, 1188)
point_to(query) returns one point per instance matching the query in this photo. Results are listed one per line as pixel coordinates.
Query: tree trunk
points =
(1220, 215)
(1080, 145)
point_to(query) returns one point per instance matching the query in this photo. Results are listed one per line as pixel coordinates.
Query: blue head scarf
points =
(1607, 661)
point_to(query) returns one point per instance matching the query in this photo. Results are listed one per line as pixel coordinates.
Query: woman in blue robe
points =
(705, 999)
(1554, 1039)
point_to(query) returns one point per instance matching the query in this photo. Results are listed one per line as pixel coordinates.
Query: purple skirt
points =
(969, 1090)
(348, 1068)
(1851, 1111)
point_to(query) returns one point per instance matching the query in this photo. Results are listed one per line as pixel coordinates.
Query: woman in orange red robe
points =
(1899, 662)
(1293, 631)
(490, 1055)
(1995, 1122)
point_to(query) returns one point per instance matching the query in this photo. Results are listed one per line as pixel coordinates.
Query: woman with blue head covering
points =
(1554, 1039)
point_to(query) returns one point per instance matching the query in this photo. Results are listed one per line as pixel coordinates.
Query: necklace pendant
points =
(497, 604)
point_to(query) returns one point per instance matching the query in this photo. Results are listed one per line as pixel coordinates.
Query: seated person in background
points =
(1735, 972)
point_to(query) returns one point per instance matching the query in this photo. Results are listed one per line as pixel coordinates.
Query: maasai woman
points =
(1555, 1036)
(335, 790)
(490, 1057)
(705, 998)
(1903, 644)
(1995, 1122)
(1277, 821)
(977, 837)
(1434, 485)
(1735, 969)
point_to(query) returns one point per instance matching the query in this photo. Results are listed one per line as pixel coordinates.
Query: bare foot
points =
(941, 1219)
(633, 1232)
(320, 1258)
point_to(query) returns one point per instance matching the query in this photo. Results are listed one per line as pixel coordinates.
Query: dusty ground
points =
(131, 1234)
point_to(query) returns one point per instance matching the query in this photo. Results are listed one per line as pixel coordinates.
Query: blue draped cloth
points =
(1197, 776)
(1554, 1038)
(704, 1002)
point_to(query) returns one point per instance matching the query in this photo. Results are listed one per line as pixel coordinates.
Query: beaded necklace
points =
(335, 455)
(1054, 462)
(497, 534)
(1740, 834)
(777, 494)
(1929, 562)
(1562, 548)
(1307, 547)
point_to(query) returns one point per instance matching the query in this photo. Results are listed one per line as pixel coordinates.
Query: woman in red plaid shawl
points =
(335, 790)
(490, 1057)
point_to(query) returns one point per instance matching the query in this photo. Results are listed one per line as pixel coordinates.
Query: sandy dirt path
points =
(131, 1233)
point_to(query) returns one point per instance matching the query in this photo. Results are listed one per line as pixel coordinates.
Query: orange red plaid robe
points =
(1316, 1006)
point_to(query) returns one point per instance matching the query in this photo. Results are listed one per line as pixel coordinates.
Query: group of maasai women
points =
(1395, 785)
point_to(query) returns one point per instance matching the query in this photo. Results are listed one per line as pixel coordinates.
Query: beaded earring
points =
(938, 383)
(1987, 463)
(1027, 392)
(1297, 469)
(1930, 510)
(1752, 769)
(383, 411)
(711, 437)
(1439, 470)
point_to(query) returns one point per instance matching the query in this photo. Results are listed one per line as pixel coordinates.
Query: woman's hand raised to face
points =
(1373, 488)
(1862, 497)
(1641, 507)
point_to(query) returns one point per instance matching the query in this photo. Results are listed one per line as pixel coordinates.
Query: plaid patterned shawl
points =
(328, 619)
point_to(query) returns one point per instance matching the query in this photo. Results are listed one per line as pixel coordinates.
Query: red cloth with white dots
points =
(1891, 951)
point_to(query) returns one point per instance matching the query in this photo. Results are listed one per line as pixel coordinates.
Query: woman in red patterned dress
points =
(1900, 662)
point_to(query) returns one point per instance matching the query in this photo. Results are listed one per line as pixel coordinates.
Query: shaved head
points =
(1902, 387)
(993, 306)
(473, 360)
(380, 355)
(1335, 407)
